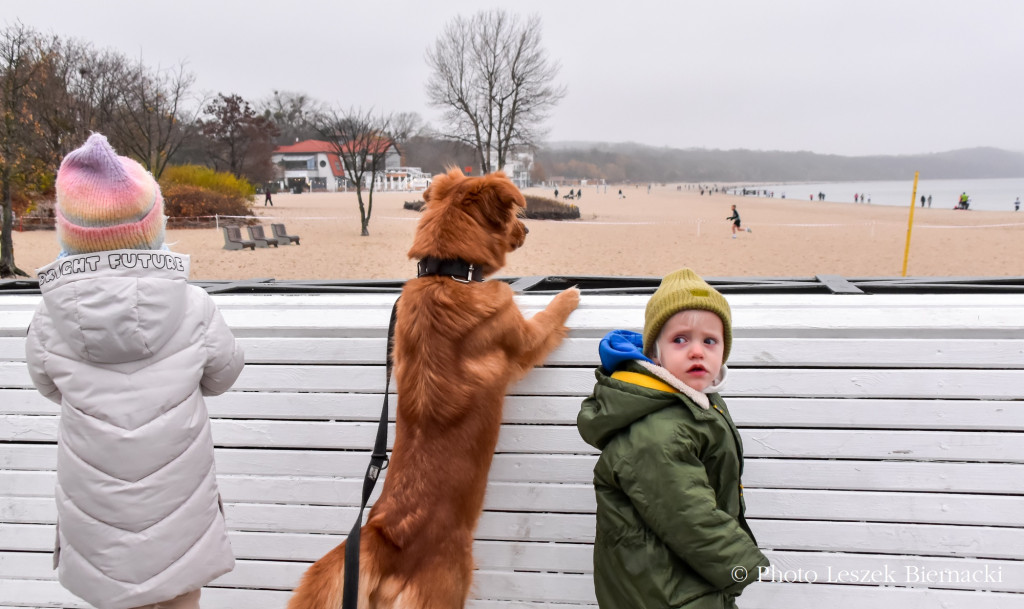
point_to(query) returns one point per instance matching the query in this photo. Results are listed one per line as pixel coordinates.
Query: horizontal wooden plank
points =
(807, 314)
(809, 567)
(890, 538)
(551, 588)
(764, 596)
(572, 528)
(836, 596)
(762, 382)
(867, 506)
(12, 348)
(781, 535)
(49, 593)
(501, 496)
(246, 545)
(792, 443)
(497, 583)
(796, 300)
(276, 575)
(769, 412)
(998, 322)
(912, 571)
(762, 472)
(981, 415)
(505, 467)
(747, 352)
(518, 526)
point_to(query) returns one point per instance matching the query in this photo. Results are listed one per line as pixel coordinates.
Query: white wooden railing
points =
(884, 439)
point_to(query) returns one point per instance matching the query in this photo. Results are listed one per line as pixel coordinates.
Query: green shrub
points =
(542, 208)
(204, 177)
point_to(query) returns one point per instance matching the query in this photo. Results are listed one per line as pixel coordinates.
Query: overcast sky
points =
(831, 76)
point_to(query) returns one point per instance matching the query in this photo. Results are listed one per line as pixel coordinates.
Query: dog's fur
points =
(457, 347)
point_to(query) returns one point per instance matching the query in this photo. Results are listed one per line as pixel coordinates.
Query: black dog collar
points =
(457, 269)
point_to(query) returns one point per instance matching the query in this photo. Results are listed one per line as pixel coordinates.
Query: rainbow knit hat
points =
(107, 202)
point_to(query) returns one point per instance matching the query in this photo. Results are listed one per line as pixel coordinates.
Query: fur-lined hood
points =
(631, 387)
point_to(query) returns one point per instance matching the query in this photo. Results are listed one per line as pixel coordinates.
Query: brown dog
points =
(457, 347)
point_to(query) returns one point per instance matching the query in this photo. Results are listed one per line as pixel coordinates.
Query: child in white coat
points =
(128, 349)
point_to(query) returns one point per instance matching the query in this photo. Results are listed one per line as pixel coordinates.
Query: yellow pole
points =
(910, 225)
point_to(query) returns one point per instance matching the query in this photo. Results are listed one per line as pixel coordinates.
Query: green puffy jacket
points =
(670, 525)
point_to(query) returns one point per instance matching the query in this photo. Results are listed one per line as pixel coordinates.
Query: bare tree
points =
(361, 139)
(405, 126)
(157, 115)
(495, 82)
(294, 115)
(21, 68)
(79, 91)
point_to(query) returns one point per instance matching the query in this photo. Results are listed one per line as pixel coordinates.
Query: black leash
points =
(378, 462)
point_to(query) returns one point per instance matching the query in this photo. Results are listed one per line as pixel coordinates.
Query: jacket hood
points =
(117, 306)
(620, 347)
(615, 405)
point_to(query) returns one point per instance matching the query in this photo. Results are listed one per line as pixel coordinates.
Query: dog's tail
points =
(322, 586)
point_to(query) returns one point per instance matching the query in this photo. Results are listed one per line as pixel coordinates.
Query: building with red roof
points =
(316, 165)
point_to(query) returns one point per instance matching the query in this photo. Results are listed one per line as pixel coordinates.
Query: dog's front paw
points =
(566, 301)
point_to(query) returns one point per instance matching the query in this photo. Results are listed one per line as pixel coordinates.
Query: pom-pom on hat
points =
(681, 290)
(107, 202)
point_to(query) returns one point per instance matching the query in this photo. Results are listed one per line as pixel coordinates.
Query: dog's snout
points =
(526, 229)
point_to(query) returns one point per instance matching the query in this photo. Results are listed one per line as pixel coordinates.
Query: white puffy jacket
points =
(128, 349)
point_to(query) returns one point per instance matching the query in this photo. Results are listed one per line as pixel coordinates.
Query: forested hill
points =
(640, 163)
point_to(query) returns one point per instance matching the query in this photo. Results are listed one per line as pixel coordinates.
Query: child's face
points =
(691, 346)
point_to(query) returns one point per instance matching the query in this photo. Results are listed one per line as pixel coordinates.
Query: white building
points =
(315, 165)
(405, 178)
(518, 167)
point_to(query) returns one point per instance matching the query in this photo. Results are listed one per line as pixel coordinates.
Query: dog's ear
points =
(441, 185)
(496, 197)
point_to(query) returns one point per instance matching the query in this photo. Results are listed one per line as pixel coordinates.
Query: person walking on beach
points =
(556, 192)
(735, 217)
(929, 201)
(128, 349)
(266, 199)
(922, 201)
(1016, 204)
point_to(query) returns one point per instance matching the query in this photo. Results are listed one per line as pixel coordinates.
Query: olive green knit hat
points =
(681, 290)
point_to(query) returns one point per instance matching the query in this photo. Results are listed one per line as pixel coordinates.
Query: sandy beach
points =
(641, 235)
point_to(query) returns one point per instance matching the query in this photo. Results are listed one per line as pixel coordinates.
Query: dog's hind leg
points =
(442, 585)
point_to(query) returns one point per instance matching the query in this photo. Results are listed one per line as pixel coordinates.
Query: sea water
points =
(985, 194)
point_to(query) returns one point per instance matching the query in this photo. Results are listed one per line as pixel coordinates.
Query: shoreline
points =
(642, 235)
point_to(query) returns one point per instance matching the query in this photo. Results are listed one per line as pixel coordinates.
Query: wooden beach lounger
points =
(259, 237)
(233, 239)
(282, 235)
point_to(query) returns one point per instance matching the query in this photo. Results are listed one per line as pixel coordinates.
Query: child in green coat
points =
(670, 524)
